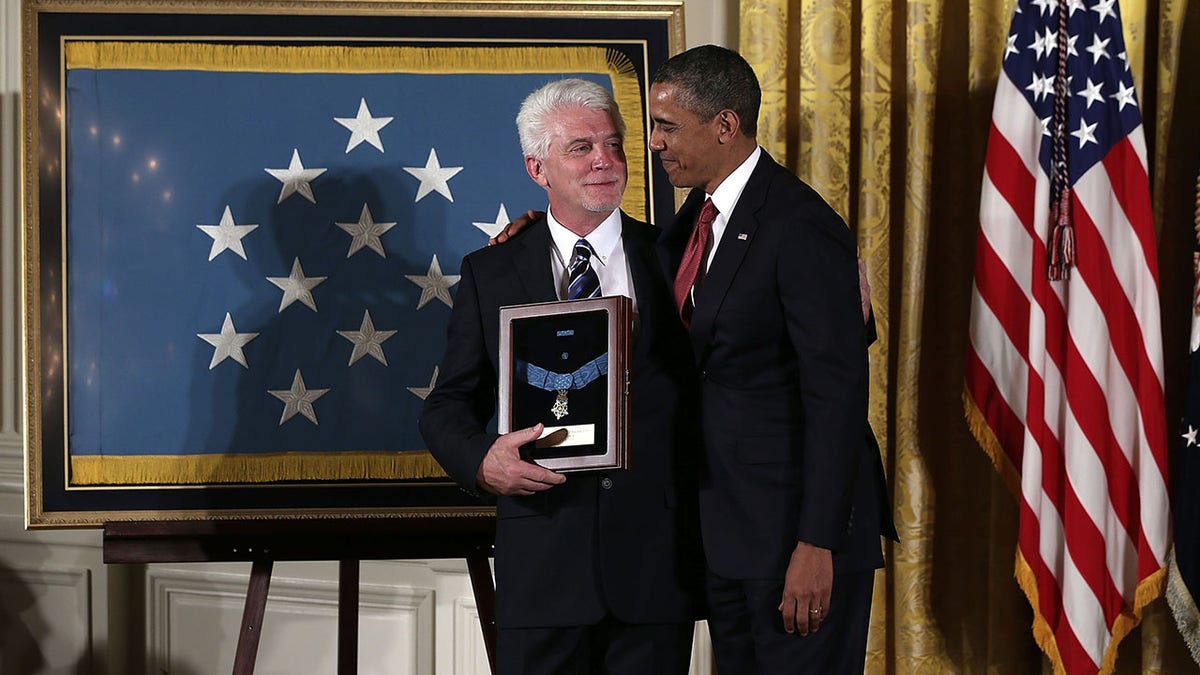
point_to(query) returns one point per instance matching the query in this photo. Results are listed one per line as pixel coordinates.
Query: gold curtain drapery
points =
(884, 106)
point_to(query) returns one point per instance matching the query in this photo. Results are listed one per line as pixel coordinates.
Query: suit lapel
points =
(640, 254)
(532, 262)
(739, 233)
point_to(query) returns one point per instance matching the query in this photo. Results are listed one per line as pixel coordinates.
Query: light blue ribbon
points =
(551, 381)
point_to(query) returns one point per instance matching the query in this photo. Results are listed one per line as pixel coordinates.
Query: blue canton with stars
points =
(1102, 106)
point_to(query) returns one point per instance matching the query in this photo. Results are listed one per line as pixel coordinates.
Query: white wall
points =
(63, 611)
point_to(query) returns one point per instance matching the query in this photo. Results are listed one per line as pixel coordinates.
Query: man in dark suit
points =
(792, 495)
(595, 573)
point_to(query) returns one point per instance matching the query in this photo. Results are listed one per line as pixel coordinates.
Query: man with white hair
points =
(598, 572)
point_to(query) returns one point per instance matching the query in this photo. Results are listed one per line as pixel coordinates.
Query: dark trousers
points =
(748, 636)
(609, 647)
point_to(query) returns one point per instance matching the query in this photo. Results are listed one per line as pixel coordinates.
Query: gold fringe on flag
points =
(351, 59)
(251, 468)
(1147, 591)
(991, 445)
(1041, 630)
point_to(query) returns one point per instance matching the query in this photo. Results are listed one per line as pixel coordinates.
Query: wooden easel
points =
(262, 542)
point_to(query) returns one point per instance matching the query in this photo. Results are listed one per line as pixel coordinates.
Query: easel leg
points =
(252, 617)
(348, 617)
(485, 601)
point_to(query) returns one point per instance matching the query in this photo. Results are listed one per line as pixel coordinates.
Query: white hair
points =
(553, 97)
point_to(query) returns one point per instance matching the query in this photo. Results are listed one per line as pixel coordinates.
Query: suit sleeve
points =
(455, 415)
(818, 281)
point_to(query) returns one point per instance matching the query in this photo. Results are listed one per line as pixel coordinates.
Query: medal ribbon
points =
(550, 381)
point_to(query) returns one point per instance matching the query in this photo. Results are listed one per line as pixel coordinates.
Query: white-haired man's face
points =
(584, 170)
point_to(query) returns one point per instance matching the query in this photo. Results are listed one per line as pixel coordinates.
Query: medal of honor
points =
(561, 383)
(559, 409)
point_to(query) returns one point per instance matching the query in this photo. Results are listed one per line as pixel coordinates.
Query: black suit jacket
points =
(778, 336)
(579, 551)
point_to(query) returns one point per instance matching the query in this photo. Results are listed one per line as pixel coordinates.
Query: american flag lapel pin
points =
(742, 236)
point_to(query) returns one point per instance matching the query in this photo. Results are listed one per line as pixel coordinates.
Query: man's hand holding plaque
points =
(504, 473)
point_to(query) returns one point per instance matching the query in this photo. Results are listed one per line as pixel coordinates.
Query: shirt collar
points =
(725, 198)
(603, 239)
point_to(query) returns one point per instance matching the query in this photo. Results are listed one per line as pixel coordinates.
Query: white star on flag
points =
(433, 177)
(1104, 9)
(1099, 48)
(1190, 436)
(367, 340)
(434, 284)
(298, 399)
(1071, 40)
(494, 228)
(1124, 96)
(1038, 45)
(1041, 86)
(422, 392)
(363, 127)
(296, 286)
(365, 233)
(227, 235)
(228, 343)
(295, 179)
(1086, 133)
(1091, 92)
(1011, 47)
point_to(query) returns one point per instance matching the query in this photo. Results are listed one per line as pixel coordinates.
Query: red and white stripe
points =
(1068, 377)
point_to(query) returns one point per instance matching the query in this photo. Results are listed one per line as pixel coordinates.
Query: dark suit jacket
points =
(577, 551)
(779, 339)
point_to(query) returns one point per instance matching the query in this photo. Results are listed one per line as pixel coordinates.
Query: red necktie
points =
(693, 261)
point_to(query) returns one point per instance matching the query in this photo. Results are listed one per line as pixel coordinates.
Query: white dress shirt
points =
(725, 198)
(608, 260)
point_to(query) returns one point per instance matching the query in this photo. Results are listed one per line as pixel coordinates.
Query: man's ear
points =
(533, 166)
(728, 125)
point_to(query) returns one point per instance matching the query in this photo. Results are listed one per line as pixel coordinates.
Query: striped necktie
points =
(582, 280)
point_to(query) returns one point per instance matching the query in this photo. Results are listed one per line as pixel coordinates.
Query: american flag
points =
(1064, 378)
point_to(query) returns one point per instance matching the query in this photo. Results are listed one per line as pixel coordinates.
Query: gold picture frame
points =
(90, 293)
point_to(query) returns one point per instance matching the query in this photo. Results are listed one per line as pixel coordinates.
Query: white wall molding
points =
(10, 255)
(12, 464)
(299, 629)
(46, 616)
(469, 651)
(76, 579)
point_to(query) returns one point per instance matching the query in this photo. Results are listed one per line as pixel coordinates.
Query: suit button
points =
(606, 483)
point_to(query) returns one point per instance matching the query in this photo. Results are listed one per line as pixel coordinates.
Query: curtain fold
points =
(884, 106)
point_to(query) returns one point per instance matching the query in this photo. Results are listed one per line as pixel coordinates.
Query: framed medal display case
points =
(566, 365)
(242, 229)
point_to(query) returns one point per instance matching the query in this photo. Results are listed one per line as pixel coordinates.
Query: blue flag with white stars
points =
(264, 261)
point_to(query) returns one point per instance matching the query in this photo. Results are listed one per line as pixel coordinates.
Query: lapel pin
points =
(742, 236)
